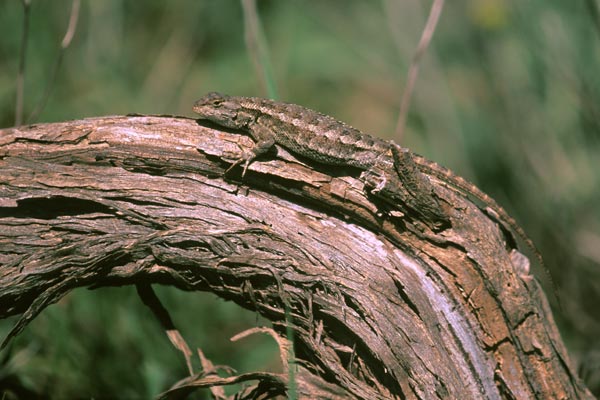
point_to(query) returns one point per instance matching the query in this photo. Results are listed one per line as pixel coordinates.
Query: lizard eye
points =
(215, 99)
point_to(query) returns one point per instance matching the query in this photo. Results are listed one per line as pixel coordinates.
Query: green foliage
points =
(106, 343)
(508, 96)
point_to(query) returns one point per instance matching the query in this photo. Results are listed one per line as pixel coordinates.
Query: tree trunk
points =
(380, 305)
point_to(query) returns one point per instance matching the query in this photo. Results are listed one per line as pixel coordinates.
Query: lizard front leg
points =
(264, 140)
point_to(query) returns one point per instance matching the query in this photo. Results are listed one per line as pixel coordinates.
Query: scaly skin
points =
(324, 139)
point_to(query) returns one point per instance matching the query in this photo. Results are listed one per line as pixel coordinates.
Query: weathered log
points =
(380, 305)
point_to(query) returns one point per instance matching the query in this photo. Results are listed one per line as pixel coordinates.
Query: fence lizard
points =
(388, 168)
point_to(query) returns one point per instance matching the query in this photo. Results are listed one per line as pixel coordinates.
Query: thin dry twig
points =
(66, 42)
(208, 368)
(152, 301)
(413, 72)
(21, 71)
(72, 24)
(257, 48)
(284, 344)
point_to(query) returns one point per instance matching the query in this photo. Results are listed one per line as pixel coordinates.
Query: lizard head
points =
(221, 109)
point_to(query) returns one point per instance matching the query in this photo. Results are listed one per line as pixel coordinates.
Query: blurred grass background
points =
(508, 97)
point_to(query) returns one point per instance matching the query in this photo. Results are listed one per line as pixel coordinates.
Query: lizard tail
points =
(446, 175)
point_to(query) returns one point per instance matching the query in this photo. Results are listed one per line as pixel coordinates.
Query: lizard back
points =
(304, 131)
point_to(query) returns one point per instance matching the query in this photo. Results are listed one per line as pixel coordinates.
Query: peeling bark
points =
(381, 306)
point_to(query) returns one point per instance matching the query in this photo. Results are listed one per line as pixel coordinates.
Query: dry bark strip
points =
(382, 307)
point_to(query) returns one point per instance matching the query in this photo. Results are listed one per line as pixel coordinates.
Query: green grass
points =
(107, 343)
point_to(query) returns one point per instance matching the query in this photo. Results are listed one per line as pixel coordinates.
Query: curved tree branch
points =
(381, 306)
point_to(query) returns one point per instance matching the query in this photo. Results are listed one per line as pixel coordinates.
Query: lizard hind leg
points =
(420, 190)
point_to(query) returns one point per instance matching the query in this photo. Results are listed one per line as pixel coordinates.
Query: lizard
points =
(324, 139)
